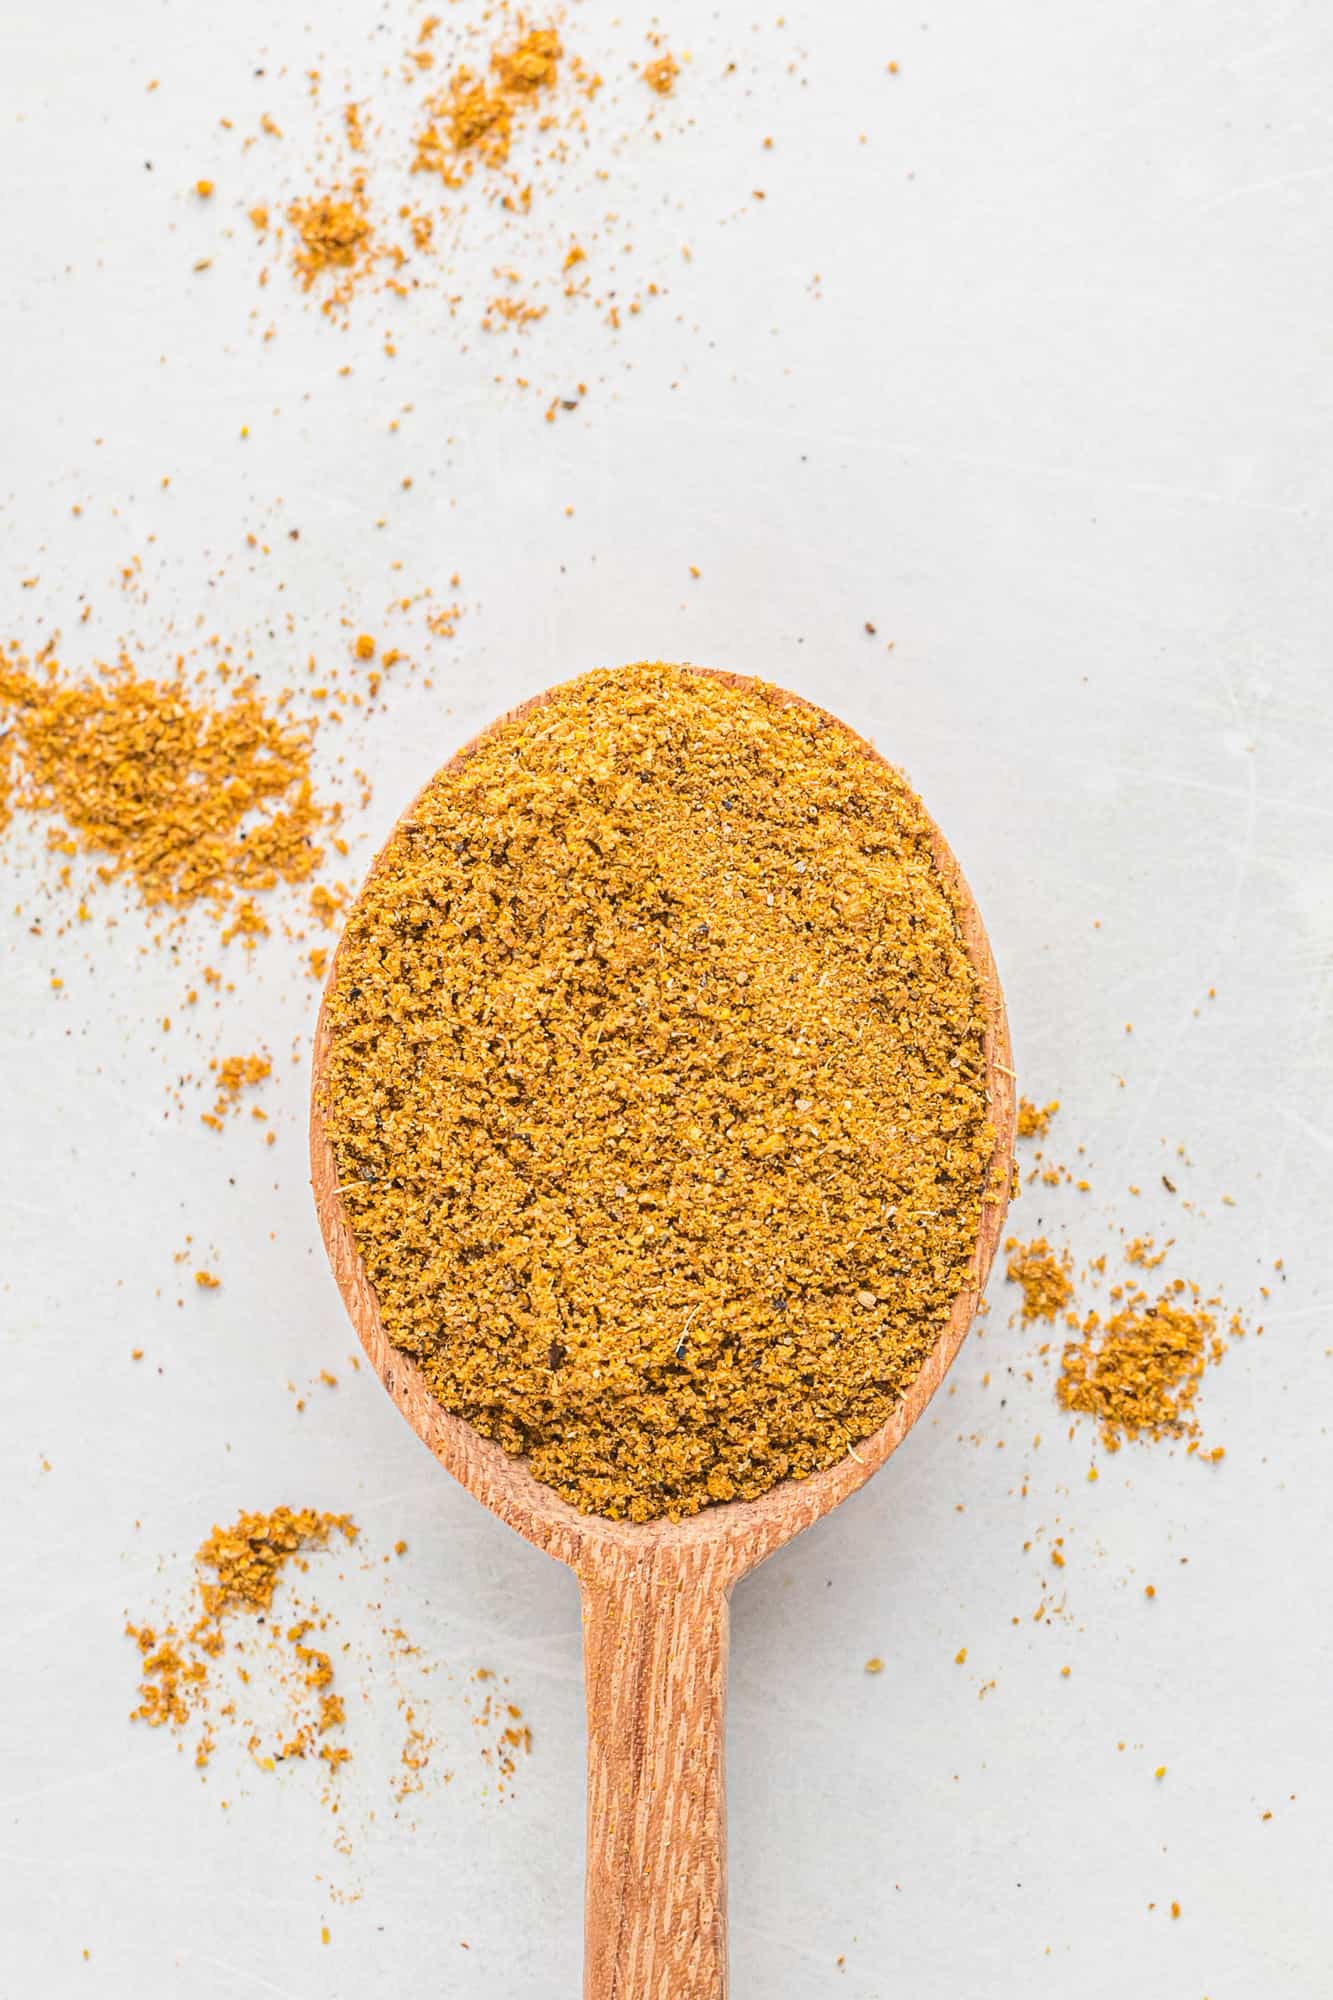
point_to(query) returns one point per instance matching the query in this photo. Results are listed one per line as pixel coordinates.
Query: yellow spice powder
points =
(247, 1559)
(656, 1089)
(234, 1074)
(1137, 1373)
(473, 119)
(530, 65)
(192, 797)
(1045, 1276)
(660, 75)
(1033, 1119)
(333, 236)
(237, 1570)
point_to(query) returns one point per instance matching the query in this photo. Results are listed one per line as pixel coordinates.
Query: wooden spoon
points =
(656, 1596)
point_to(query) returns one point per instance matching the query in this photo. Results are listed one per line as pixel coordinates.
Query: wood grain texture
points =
(655, 1661)
(655, 1595)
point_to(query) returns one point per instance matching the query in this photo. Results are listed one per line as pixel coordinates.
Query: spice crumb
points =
(1046, 1278)
(661, 75)
(197, 792)
(1033, 1121)
(1138, 1371)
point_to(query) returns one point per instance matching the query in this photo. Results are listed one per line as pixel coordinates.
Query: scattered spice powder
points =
(530, 65)
(503, 1720)
(334, 235)
(192, 797)
(507, 311)
(1045, 1276)
(1138, 1372)
(656, 1089)
(238, 1569)
(660, 75)
(1032, 1122)
(471, 120)
(326, 904)
(234, 1074)
(508, 118)
(247, 1559)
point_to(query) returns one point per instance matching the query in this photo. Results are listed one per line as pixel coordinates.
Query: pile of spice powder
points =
(660, 75)
(656, 1089)
(473, 119)
(500, 112)
(238, 1570)
(192, 797)
(1033, 1119)
(1046, 1277)
(1137, 1373)
(334, 234)
(234, 1074)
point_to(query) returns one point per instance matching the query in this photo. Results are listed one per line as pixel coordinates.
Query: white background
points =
(1055, 417)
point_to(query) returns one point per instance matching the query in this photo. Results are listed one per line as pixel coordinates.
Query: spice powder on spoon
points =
(656, 1089)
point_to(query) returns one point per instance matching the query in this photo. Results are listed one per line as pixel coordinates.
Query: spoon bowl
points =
(655, 1595)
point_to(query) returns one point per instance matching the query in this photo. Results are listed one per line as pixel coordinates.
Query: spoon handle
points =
(655, 1661)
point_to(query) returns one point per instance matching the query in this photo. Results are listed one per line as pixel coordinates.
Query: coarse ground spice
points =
(530, 65)
(656, 1089)
(245, 1650)
(473, 118)
(193, 795)
(6, 774)
(492, 114)
(333, 235)
(1046, 1277)
(247, 1559)
(1033, 1119)
(238, 1569)
(234, 1074)
(660, 75)
(1137, 1373)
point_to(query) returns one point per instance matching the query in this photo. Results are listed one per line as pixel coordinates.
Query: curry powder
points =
(1138, 1372)
(1045, 1276)
(245, 1562)
(1033, 1119)
(191, 795)
(656, 1089)
(472, 120)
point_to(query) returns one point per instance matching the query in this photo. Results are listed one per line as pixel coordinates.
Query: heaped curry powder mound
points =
(656, 1089)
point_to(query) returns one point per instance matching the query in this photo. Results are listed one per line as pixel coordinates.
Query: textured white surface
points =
(1055, 417)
